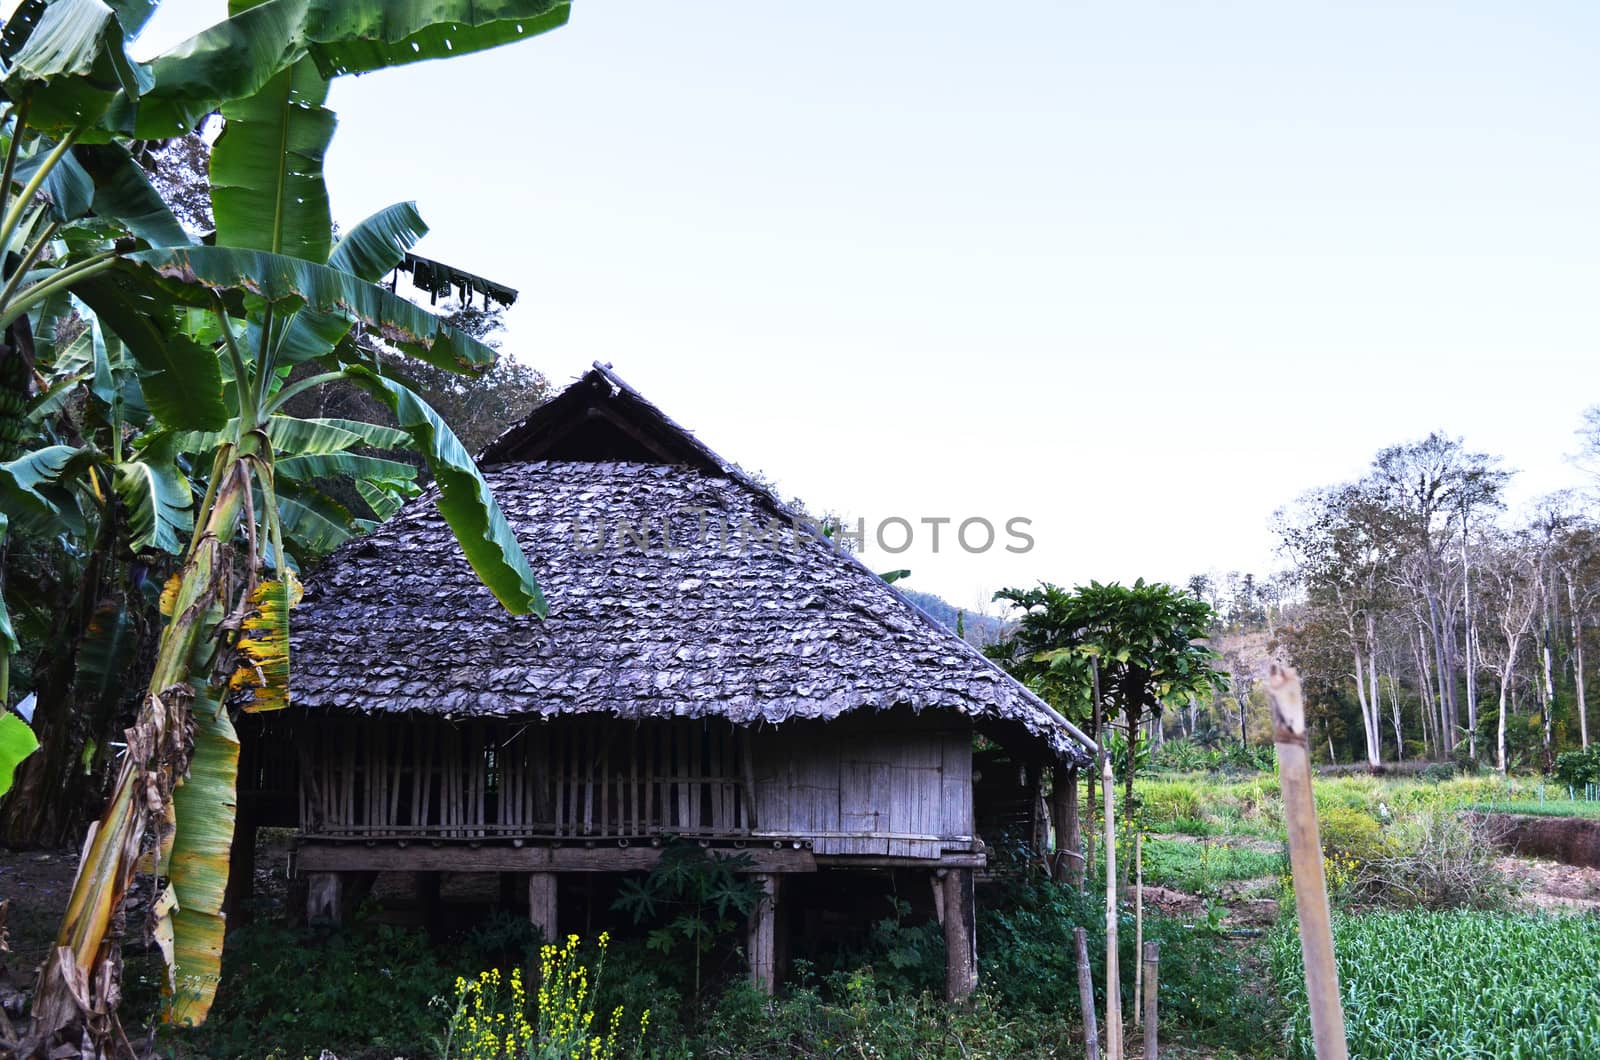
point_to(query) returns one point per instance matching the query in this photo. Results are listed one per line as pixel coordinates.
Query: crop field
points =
(1456, 984)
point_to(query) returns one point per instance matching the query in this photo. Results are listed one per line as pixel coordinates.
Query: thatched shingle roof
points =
(677, 587)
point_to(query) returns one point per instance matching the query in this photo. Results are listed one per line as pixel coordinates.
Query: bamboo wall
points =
(848, 787)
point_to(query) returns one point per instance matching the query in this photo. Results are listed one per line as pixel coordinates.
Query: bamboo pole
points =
(1152, 977)
(1138, 927)
(1091, 1033)
(1113, 972)
(1305, 861)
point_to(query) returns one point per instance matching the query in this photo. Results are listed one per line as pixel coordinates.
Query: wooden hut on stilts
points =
(711, 667)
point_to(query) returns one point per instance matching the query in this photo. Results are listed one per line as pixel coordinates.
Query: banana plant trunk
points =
(79, 986)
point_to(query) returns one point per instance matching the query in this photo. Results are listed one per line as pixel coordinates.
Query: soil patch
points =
(1569, 840)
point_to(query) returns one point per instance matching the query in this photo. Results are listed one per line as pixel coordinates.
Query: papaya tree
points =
(1146, 640)
(214, 331)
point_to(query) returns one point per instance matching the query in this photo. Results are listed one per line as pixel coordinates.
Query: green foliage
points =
(1579, 768)
(1145, 639)
(373, 982)
(1166, 802)
(1203, 867)
(1349, 832)
(16, 743)
(691, 901)
(1188, 756)
(1454, 984)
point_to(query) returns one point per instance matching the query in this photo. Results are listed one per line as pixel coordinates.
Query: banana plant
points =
(215, 331)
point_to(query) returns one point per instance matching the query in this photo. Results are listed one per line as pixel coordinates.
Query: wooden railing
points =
(569, 778)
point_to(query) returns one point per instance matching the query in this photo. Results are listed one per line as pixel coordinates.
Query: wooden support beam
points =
(457, 857)
(1069, 859)
(763, 940)
(241, 866)
(960, 936)
(542, 909)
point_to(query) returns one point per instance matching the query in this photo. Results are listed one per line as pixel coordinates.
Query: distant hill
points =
(980, 629)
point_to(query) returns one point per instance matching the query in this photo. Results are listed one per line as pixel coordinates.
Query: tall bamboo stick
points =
(1152, 981)
(1305, 861)
(1138, 927)
(1091, 1032)
(1113, 972)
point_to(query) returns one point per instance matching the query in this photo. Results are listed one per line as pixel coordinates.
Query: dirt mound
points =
(1569, 840)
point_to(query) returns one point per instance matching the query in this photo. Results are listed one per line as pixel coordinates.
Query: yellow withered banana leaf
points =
(264, 649)
(198, 866)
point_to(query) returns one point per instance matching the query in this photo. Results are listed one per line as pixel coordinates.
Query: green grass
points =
(1456, 984)
(1201, 868)
(1548, 808)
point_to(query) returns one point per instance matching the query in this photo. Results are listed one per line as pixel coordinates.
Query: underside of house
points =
(711, 670)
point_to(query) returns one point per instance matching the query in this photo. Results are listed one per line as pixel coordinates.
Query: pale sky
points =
(1137, 272)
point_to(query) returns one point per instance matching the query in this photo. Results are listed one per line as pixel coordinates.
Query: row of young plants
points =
(1455, 983)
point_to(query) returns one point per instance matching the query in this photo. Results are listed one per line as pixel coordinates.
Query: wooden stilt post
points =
(429, 907)
(763, 941)
(542, 911)
(1305, 861)
(1152, 979)
(1091, 1032)
(960, 936)
(325, 898)
(241, 866)
(1069, 860)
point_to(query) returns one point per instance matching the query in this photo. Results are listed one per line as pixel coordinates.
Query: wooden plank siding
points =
(885, 786)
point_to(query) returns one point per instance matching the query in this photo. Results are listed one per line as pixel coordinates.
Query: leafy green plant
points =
(1454, 984)
(692, 901)
(1579, 768)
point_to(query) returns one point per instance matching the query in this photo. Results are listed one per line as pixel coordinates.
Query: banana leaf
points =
(377, 245)
(123, 193)
(353, 38)
(292, 283)
(156, 496)
(264, 650)
(72, 64)
(182, 380)
(464, 498)
(16, 743)
(267, 191)
(205, 805)
(352, 466)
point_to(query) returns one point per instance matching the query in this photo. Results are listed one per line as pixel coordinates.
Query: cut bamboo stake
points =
(1305, 862)
(1152, 979)
(1138, 926)
(1091, 1033)
(1113, 972)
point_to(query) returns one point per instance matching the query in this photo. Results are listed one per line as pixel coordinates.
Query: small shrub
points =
(1349, 832)
(1579, 768)
(1434, 861)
